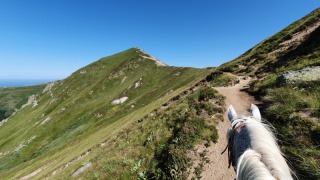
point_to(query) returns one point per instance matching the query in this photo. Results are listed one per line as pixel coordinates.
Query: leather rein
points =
(236, 126)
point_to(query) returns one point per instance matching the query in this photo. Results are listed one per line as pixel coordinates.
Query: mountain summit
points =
(89, 107)
(147, 56)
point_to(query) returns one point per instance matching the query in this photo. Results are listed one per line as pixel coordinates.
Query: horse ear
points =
(232, 115)
(254, 110)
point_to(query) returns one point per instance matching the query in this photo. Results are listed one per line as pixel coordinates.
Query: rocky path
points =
(218, 166)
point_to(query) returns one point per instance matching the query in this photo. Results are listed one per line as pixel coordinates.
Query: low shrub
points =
(188, 129)
(292, 110)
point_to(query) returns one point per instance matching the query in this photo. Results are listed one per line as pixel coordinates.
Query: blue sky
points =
(53, 38)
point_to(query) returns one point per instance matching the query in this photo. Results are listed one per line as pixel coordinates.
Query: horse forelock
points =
(261, 140)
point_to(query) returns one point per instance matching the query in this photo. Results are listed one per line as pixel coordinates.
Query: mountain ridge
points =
(80, 107)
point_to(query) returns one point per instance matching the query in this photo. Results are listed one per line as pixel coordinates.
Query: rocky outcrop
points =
(303, 75)
(147, 56)
(48, 87)
(119, 101)
(83, 168)
(32, 100)
(46, 120)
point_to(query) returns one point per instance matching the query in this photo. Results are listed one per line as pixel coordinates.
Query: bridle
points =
(235, 126)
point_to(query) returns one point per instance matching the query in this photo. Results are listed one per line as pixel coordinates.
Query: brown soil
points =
(217, 168)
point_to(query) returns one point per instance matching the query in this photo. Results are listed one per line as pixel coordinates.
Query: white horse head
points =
(252, 148)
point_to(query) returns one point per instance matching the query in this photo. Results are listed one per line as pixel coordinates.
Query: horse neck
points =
(264, 158)
(250, 167)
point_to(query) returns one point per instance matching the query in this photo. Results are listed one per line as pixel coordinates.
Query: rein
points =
(236, 126)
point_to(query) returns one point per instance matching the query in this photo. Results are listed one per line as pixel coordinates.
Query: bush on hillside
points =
(188, 129)
(292, 109)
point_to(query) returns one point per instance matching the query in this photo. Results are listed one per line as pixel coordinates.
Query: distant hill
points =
(13, 98)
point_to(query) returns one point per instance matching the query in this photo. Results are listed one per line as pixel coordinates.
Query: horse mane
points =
(251, 167)
(264, 160)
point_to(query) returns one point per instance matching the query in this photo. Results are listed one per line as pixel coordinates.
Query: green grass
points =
(258, 60)
(153, 146)
(220, 79)
(187, 130)
(13, 98)
(294, 111)
(80, 114)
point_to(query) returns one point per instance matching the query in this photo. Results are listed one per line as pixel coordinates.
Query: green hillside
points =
(76, 114)
(293, 109)
(293, 47)
(13, 98)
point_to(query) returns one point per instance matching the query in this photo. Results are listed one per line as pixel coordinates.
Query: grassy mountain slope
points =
(77, 114)
(293, 109)
(13, 98)
(155, 146)
(293, 47)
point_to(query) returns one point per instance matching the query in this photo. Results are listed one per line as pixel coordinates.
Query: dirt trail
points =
(218, 166)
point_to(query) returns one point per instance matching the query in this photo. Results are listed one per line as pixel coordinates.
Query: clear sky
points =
(50, 39)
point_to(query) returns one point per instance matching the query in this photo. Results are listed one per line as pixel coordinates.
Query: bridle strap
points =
(235, 127)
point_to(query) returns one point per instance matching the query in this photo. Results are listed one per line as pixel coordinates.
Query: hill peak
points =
(145, 55)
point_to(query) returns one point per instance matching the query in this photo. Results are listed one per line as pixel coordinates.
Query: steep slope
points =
(292, 108)
(297, 42)
(87, 108)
